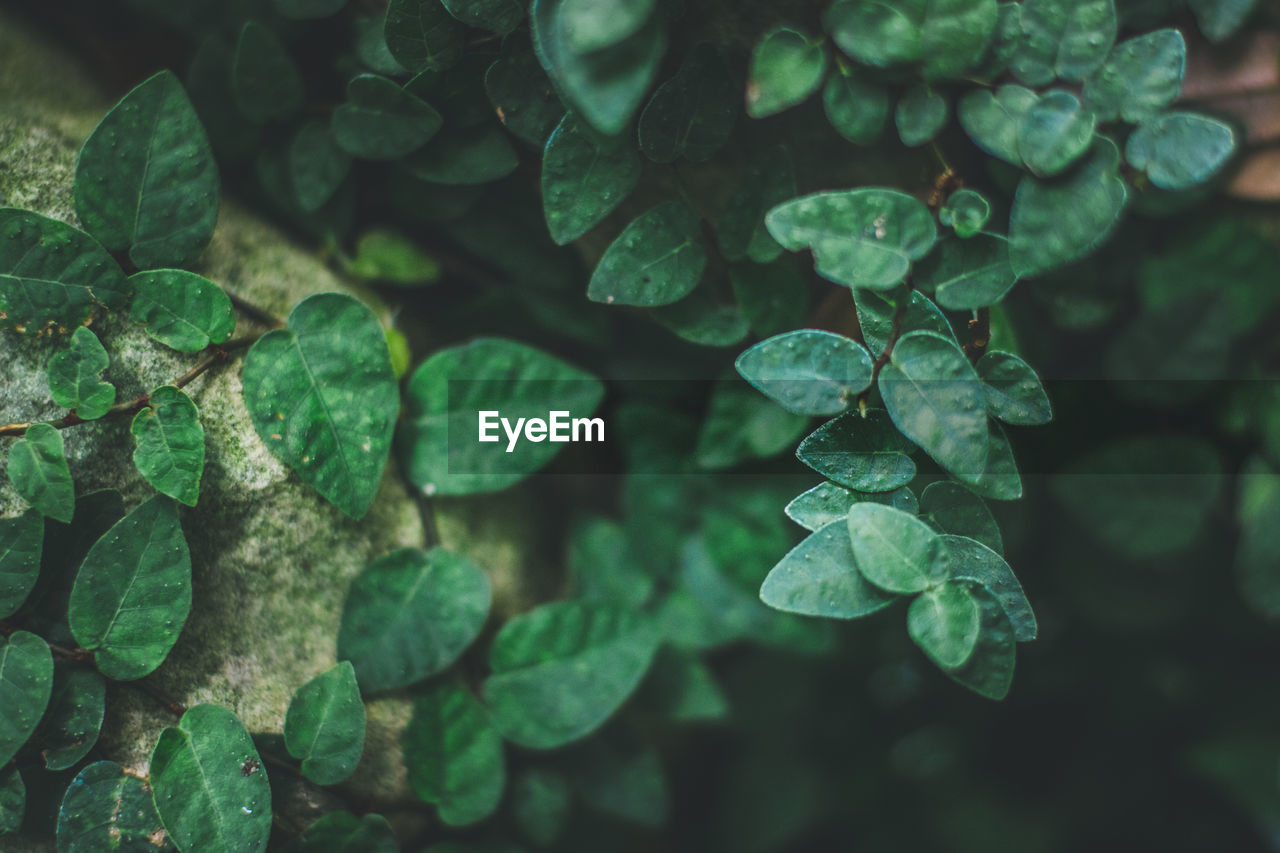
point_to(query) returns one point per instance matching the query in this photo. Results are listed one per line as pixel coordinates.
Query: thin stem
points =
(979, 334)
(895, 331)
(259, 315)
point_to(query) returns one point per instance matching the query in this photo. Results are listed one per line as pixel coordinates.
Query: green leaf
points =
(968, 274)
(1140, 78)
(772, 297)
(1258, 553)
(540, 803)
(1054, 133)
(702, 319)
(181, 310)
(74, 717)
(947, 36)
(106, 808)
(1063, 38)
(13, 800)
(1179, 150)
(999, 479)
(944, 623)
(454, 754)
(602, 567)
(51, 275)
(992, 120)
(691, 115)
(951, 508)
(769, 180)
(862, 451)
(343, 832)
(1058, 221)
(827, 502)
(1218, 19)
(210, 786)
(1014, 393)
(75, 376)
(324, 399)
(895, 550)
(656, 260)
(26, 679)
(169, 444)
(381, 121)
(965, 212)
(584, 179)
(464, 156)
(562, 669)
(809, 371)
(920, 115)
(787, 67)
(604, 86)
(499, 16)
(1005, 41)
(388, 256)
(133, 592)
(21, 543)
(621, 776)
(742, 425)
(595, 24)
(857, 108)
(423, 36)
(146, 180)
(410, 615)
(521, 93)
(324, 726)
(265, 81)
(876, 312)
(974, 561)
(682, 688)
(820, 577)
(860, 238)
(989, 669)
(39, 473)
(302, 10)
(448, 391)
(934, 396)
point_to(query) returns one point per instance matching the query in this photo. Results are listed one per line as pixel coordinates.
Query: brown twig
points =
(895, 331)
(979, 334)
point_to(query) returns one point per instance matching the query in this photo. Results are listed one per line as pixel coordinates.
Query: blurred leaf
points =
(947, 36)
(682, 688)
(343, 832)
(388, 256)
(863, 451)
(465, 156)
(1218, 19)
(181, 310)
(381, 121)
(106, 808)
(39, 473)
(1063, 38)
(74, 718)
(1140, 78)
(75, 376)
(622, 778)
(26, 679)
(691, 115)
(808, 371)
(895, 550)
(265, 81)
(540, 803)
(741, 425)
(1178, 150)
(992, 120)
(584, 179)
(422, 35)
(656, 260)
(1257, 559)
(768, 181)
(856, 107)
(787, 66)
(13, 800)
(602, 566)
(500, 16)
(306, 9)
(591, 25)
(324, 726)
(820, 577)
(920, 115)
(521, 93)
(968, 274)
(21, 541)
(169, 449)
(454, 755)
(773, 297)
(701, 319)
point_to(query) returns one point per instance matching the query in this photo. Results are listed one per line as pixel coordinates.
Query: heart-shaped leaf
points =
(920, 115)
(1140, 78)
(26, 679)
(422, 35)
(787, 66)
(106, 808)
(809, 371)
(895, 550)
(75, 376)
(454, 754)
(182, 310)
(947, 36)
(656, 260)
(584, 179)
(1179, 150)
(1054, 132)
(39, 473)
(324, 726)
(169, 449)
(863, 451)
(820, 577)
(966, 212)
(71, 724)
(857, 108)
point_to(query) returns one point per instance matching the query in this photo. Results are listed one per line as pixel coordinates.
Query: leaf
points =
(540, 803)
(860, 238)
(895, 550)
(107, 808)
(1013, 390)
(701, 319)
(591, 25)
(343, 832)
(992, 120)
(307, 9)
(21, 543)
(1257, 555)
(741, 425)
(972, 560)
(1218, 19)
(181, 310)
(772, 297)
(133, 592)
(75, 376)
(381, 121)
(809, 371)
(472, 155)
(388, 256)
(602, 567)
(39, 473)
(1063, 38)
(920, 115)
(787, 66)
(454, 754)
(324, 399)
(410, 615)
(422, 35)
(944, 623)
(951, 508)
(324, 726)
(169, 444)
(876, 314)
(820, 577)
(499, 16)
(562, 669)
(1054, 132)
(205, 797)
(604, 86)
(51, 275)
(146, 180)
(265, 81)
(691, 115)
(26, 679)
(656, 260)
(1179, 150)
(13, 800)
(966, 212)
(446, 394)
(862, 451)
(827, 502)
(968, 274)
(521, 94)
(989, 669)
(682, 688)
(857, 108)
(1140, 78)
(584, 179)
(1056, 222)
(934, 396)
(999, 479)
(621, 776)
(74, 717)
(947, 36)
(768, 181)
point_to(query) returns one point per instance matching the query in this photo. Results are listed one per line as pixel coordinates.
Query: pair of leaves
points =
(1045, 133)
(946, 37)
